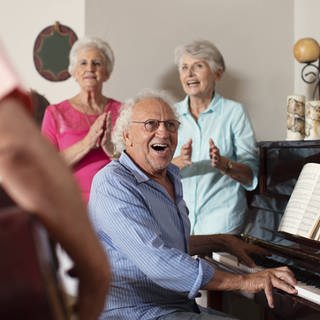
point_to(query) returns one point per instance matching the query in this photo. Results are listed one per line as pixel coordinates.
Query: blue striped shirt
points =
(146, 237)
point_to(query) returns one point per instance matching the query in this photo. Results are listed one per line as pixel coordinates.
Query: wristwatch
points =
(229, 165)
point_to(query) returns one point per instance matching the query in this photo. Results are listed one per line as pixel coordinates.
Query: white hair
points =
(124, 119)
(204, 50)
(88, 43)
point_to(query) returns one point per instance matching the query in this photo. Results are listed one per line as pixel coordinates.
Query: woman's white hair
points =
(201, 49)
(89, 43)
(125, 116)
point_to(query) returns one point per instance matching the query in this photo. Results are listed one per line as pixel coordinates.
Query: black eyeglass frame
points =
(157, 124)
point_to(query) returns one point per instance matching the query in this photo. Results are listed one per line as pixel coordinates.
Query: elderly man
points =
(137, 208)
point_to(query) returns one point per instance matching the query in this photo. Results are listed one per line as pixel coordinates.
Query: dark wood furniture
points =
(29, 285)
(280, 166)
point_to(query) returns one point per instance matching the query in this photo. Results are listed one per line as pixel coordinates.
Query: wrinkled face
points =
(90, 69)
(151, 150)
(196, 76)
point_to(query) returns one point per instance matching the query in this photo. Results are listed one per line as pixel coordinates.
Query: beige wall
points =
(306, 24)
(255, 36)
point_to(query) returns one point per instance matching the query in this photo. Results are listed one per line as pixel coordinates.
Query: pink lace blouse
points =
(64, 126)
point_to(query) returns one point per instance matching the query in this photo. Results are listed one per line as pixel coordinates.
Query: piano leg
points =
(236, 304)
(214, 300)
(286, 308)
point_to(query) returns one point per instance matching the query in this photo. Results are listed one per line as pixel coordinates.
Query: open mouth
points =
(193, 82)
(159, 147)
(89, 76)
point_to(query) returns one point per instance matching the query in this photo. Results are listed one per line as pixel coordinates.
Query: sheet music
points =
(303, 209)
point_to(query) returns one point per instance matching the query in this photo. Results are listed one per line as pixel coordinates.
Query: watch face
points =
(51, 52)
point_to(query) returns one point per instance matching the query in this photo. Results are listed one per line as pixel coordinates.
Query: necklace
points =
(90, 107)
(91, 118)
(90, 114)
(86, 116)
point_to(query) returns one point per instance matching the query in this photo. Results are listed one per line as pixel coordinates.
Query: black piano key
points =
(302, 275)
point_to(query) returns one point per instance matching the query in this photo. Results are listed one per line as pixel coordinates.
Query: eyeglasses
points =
(152, 124)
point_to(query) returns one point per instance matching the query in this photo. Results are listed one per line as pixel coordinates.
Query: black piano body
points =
(302, 256)
(280, 166)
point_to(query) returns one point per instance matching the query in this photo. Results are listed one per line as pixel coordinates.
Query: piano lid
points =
(309, 243)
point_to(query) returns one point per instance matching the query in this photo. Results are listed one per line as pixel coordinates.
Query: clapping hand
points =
(106, 143)
(184, 159)
(214, 154)
(92, 139)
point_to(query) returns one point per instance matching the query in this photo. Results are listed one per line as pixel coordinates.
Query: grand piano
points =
(280, 165)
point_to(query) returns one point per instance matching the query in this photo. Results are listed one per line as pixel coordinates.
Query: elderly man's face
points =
(151, 150)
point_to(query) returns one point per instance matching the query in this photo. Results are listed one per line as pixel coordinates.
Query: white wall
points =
(306, 25)
(254, 36)
(20, 24)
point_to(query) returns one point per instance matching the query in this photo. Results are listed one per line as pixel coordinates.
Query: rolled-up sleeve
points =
(205, 274)
(245, 144)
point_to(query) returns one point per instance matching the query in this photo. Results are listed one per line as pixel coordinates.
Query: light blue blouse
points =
(216, 203)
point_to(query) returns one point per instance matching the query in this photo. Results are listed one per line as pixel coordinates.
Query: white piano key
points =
(308, 292)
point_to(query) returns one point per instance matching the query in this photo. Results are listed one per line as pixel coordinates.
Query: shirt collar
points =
(184, 108)
(140, 176)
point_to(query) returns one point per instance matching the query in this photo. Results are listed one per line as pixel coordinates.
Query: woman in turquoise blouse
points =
(216, 149)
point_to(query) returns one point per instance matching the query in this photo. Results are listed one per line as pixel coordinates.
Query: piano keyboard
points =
(305, 291)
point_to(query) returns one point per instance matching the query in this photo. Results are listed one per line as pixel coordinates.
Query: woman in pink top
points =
(81, 126)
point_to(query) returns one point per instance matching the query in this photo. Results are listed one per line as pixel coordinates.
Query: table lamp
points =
(307, 51)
